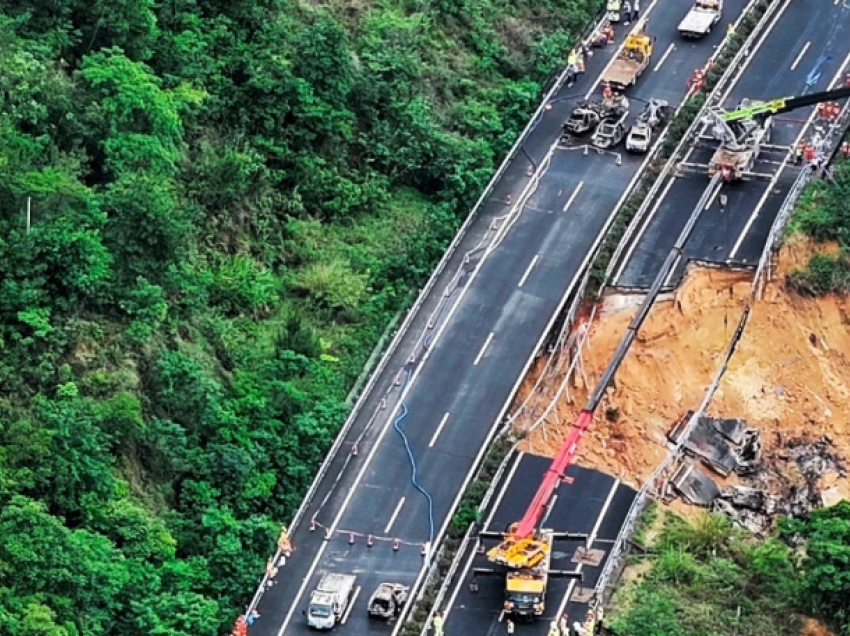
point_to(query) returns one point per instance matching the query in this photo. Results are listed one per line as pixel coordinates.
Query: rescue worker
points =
(636, 10)
(553, 629)
(589, 624)
(510, 625)
(845, 149)
(798, 153)
(599, 617)
(579, 630)
(564, 625)
(437, 624)
(627, 12)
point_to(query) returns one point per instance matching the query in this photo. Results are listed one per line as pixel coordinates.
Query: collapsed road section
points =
(385, 497)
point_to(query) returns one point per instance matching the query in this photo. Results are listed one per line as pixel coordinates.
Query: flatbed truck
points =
(630, 63)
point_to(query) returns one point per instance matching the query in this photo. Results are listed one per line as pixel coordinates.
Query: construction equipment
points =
(701, 18)
(526, 573)
(656, 113)
(745, 132)
(388, 600)
(330, 600)
(632, 60)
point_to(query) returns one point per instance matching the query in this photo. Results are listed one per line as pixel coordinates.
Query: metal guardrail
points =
(711, 100)
(656, 482)
(571, 313)
(414, 309)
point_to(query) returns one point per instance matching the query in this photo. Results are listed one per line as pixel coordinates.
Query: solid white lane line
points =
(590, 539)
(665, 56)
(713, 197)
(439, 430)
(395, 513)
(800, 56)
(573, 196)
(643, 229)
(782, 167)
(528, 271)
(350, 605)
(633, 31)
(483, 349)
(752, 54)
(496, 503)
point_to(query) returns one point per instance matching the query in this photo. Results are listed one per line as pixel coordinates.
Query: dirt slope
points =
(790, 376)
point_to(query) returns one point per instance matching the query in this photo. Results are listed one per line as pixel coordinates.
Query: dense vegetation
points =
(712, 578)
(824, 215)
(229, 202)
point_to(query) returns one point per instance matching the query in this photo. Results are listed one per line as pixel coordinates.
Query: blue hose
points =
(413, 468)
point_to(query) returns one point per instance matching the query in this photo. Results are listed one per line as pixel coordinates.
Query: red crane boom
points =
(553, 477)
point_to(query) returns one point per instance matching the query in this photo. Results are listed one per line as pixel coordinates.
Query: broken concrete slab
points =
(675, 434)
(707, 443)
(730, 428)
(694, 486)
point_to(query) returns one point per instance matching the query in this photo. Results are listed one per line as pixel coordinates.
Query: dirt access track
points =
(789, 376)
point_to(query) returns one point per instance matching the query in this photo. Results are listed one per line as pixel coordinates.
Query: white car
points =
(639, 138)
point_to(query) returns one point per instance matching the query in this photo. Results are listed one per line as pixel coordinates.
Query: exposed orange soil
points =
(778, 380)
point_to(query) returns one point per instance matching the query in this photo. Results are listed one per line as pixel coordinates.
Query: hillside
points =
(228, 203)
(787, 378)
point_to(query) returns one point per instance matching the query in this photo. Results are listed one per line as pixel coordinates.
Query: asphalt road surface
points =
(802, 53)
(595, 504)
(454, 398)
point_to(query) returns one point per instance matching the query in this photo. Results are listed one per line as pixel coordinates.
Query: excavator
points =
(745, 132)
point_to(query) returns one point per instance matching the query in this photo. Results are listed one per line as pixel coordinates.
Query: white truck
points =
(701, 18)
(330, 601)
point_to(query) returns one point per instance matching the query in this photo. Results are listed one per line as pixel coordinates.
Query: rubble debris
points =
(694, 486)
(731, 428)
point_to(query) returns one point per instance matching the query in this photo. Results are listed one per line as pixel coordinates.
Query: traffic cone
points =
(350, 538)
(530, 171)
(354, 449)
(395, 545)
(312, 525)
(424, 550)
(508, 199)
(370, 541)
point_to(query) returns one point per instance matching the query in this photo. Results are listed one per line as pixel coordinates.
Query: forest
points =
(824, 216)
(708, 576)
(211, 210)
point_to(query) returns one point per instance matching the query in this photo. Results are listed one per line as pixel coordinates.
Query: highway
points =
(456, 390)
(804, 51)
(595, 504)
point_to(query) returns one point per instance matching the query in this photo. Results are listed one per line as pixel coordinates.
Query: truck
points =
(525, 589)
(331, 599)
(701, 18)
(741, 142)
(630, 63)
